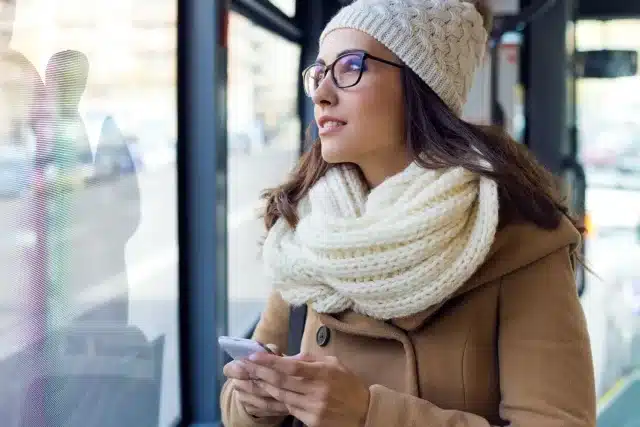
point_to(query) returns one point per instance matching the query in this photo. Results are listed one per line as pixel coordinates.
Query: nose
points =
(326, 93)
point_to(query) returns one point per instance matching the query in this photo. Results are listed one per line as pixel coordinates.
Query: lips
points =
(328, 124)
(332, 125)
(329, 121)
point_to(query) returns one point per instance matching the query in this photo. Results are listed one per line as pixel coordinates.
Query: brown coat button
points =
(323, 336)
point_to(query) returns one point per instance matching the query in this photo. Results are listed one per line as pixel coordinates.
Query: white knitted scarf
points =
(405, 246)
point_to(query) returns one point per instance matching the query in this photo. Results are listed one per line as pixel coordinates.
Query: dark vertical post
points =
(202, 51)
(312, 16)
(547, 131)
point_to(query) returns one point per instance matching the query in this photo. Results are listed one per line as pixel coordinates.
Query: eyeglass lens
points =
(346, 72)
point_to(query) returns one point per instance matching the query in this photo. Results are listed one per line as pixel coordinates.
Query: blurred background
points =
(89, 195)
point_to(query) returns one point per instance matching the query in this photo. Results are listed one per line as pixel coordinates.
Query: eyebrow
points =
(344, 52)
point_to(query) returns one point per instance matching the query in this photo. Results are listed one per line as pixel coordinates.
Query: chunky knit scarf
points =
(395, 251)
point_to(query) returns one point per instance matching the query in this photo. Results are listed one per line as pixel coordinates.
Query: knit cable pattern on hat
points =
(404, 247)
(442, 41)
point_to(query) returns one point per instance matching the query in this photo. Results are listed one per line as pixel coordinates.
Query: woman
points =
(434, 257)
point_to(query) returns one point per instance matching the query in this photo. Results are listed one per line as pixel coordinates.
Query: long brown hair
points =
(437, 138)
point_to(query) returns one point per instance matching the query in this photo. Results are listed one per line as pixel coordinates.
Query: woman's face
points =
(363, 124)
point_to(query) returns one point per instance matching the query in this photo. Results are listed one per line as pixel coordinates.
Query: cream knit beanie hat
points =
(442, 41)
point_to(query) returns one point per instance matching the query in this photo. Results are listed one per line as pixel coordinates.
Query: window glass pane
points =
(88, 241)
(609, 148)
(287, 6)
(264, 134)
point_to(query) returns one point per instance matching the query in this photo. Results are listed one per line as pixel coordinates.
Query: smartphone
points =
(240, 348)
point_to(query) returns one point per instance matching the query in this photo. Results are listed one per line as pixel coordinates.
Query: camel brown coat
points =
(509, 348)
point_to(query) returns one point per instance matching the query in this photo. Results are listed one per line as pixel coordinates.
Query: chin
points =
(331, 156)
(331, 153)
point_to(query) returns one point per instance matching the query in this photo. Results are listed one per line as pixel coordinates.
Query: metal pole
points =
(312, 16)
(547, 87)
(497, 115)
(202, 52)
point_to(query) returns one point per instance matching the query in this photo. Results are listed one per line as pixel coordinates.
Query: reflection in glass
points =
(263, 143)
(87, 214)
(609, 149)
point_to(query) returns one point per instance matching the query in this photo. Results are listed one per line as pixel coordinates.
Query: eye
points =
(315, 73)
(313, 77)
(350, 64)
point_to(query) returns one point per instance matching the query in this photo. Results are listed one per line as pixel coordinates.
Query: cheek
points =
(380, 118)
(375, 125)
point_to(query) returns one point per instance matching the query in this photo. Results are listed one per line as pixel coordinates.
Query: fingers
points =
(305, 357)
(295, 366)
(274, 349)
(257, 412)
(250, 387)
(287, 397)
(236, 369)
(260, 406)
(278, 379)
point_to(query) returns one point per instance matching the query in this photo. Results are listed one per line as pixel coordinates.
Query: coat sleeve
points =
(272, 328)
(546, 369)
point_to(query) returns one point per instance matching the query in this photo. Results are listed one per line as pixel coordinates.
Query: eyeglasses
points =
(346, 71)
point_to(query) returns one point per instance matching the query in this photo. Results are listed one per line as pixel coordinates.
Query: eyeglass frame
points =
(329, 68)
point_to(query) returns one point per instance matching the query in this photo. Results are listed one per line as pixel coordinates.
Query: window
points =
(153, 14)
(156, 38)
(264, 134)
(609, 149)
(88, 239)
(287, 6)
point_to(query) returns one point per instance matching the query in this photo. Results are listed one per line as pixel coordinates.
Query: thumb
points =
(305, 357)
(274, 349)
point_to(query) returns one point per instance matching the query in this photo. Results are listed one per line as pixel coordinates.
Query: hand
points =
(319, 391)
(257, 402)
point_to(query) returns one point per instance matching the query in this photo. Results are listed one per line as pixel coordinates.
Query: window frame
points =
(269, 16)
(201, 170)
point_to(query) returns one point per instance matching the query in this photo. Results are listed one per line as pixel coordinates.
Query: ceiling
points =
(599, 9)
(605, 9)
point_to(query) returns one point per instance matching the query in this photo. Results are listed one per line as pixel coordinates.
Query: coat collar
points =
(515, 246)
